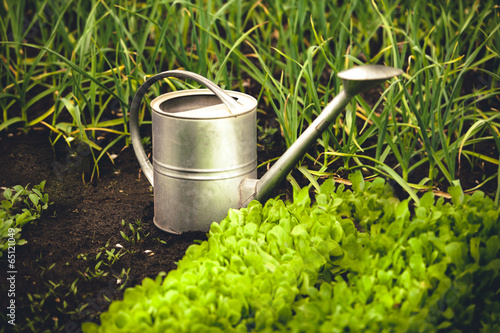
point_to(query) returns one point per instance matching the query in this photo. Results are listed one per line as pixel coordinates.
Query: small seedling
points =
(164, 242)
(73, 288)
(266, 134)
(136, 230)
(113, 256)
(123, 278)
(89, 274)
(46, 269)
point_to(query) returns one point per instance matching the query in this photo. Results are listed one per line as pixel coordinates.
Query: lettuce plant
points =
(19, 207)
(354, 260)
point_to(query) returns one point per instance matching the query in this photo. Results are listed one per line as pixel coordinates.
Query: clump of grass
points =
(83, 62)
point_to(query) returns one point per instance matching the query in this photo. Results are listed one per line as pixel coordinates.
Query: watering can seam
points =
(204, 174)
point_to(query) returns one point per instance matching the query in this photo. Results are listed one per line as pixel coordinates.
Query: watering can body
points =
(205, 147)
(200, 153)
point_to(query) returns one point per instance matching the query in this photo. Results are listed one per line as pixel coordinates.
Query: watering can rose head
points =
(205, 147)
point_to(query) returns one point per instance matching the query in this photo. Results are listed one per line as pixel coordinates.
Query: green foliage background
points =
(73, 66)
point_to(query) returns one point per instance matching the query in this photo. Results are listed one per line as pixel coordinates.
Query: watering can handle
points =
(144, 162)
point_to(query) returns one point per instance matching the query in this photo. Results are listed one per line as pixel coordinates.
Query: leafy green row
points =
(20, 206)
(435, 270)
(305, 267)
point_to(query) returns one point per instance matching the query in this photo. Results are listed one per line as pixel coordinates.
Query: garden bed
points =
(85, 219)
(70, 70)
(81, 221)
(95, 240)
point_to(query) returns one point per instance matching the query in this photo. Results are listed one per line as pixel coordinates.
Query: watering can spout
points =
(204, 154)
(355, 81)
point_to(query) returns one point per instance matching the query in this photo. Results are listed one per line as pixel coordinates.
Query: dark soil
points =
(85, 219)
(81, 221)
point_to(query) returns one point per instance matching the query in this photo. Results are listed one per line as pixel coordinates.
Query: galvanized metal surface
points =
(199, 162)
(144, 162)
(204, 145)
(355, 80)
(361, 78)
(278, 172)
(204, 151)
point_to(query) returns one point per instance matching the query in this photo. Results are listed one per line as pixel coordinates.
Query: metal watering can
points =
(205, 147)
